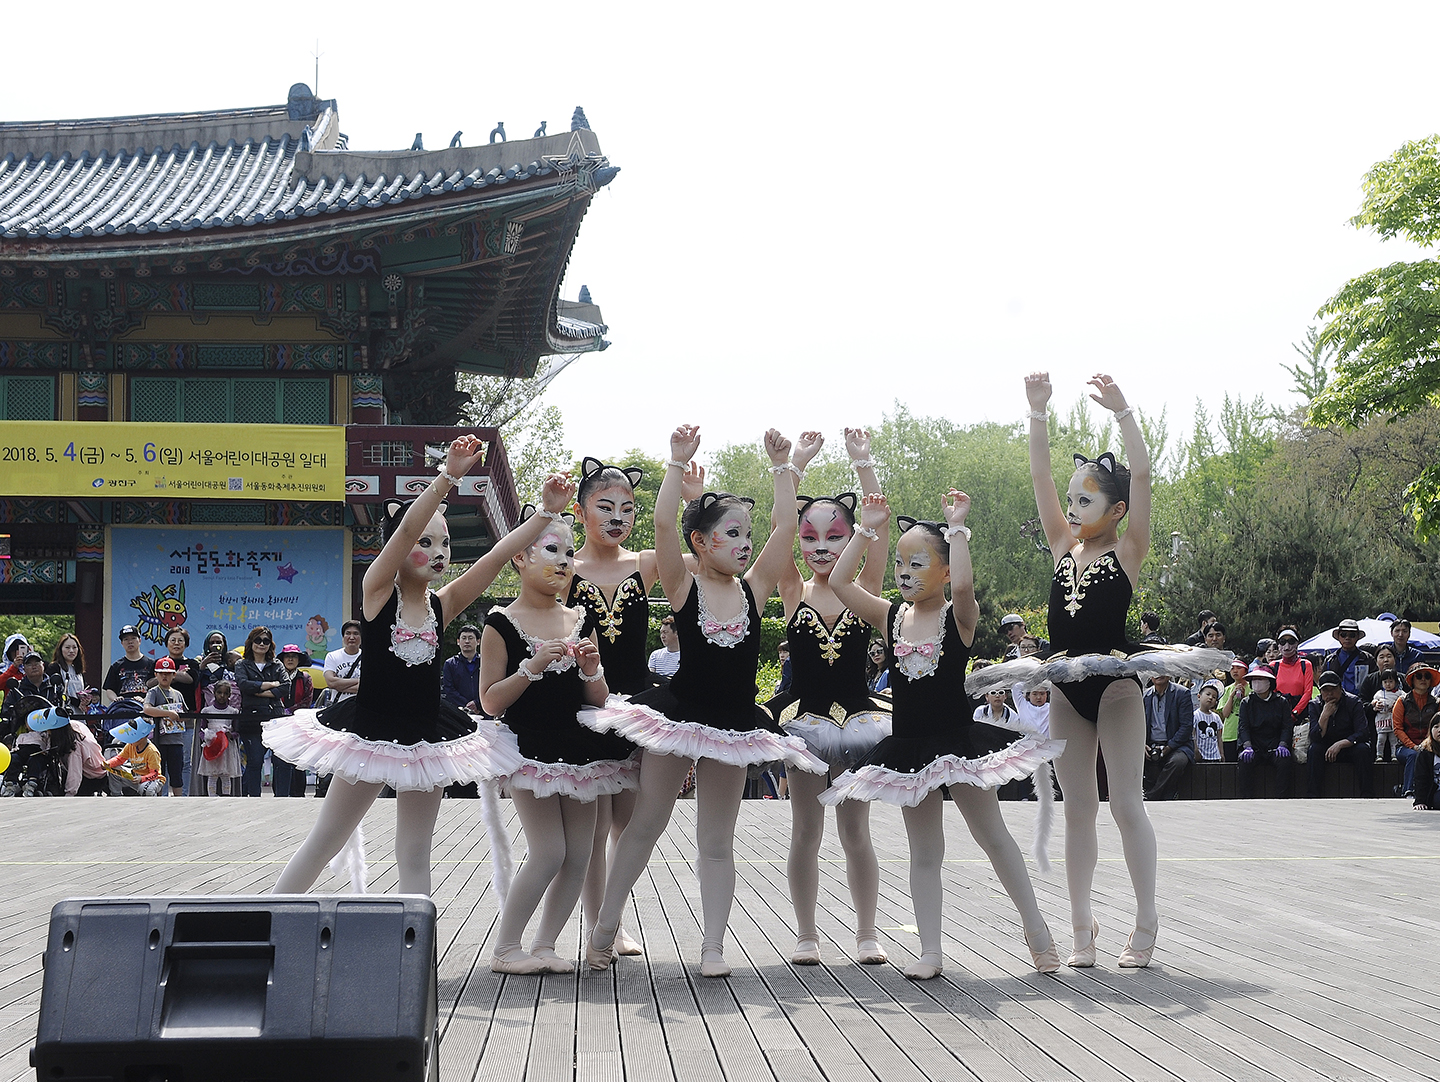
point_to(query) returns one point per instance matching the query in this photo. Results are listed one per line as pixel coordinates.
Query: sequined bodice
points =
(622, 626)
(1088, 608)
(826, 664)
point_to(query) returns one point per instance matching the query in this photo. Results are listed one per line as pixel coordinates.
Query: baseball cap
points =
(1012, 618)
(1287, 634)
(165, 664)
(31, 656)
(1328, 679)
(129, 629)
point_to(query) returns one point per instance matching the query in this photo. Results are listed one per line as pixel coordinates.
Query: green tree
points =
(1384, 325)
(1312, 371)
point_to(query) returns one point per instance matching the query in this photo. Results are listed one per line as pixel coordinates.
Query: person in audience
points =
(68, 663)
(164, 706)
(665, 661)
(297, 692)
(782, 654)
(877, 672)
(1406, 655)
(128, 677)
(1427, 770)
(1029, 646)
(1382, 710)
(460, 675)
(1386, 659)
(1266, 733)
(1150, 628)
(1229, 709)
(16, 647)
(1339, 733)
(1294, 675)
(1012, 627)
(218, 771)
(1349, 660)
(1411, 720)
(215, 665)
(1208, 723)
(1269, 651)
(1202, 621)
(342, 667)
(1170, 734)
(1215, 635)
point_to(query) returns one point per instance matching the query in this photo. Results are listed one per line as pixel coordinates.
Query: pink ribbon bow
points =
(403, 635)
(734, 627)
(925, 649)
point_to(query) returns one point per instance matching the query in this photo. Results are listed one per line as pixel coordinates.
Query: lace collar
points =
(415, 645)
(565, 660)
(918, 659)
(730, 632)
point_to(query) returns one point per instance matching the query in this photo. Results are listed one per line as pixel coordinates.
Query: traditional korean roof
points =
(241, 167)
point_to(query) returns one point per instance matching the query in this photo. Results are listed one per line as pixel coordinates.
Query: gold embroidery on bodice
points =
(1076, 586)
(829, 640)
(608, 615)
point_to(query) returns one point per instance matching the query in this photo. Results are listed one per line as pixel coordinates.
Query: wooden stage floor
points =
(1298, 941)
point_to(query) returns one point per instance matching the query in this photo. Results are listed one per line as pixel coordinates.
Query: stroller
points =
(33, 769)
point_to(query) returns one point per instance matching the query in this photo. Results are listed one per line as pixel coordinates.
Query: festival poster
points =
(230, 580)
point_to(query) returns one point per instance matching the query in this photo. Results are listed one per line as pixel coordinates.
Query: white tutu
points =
(583, 781)
(1177, 662)
(841, 746)
(655, 732)
(302, 740)
(1018, 760)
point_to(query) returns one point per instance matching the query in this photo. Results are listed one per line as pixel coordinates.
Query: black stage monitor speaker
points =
(240, 989)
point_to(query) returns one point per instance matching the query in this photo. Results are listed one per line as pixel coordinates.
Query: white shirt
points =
(338, 662)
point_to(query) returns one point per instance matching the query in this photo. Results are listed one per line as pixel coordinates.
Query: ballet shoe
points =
(518, 963)
(1133, 957)
(625, 945)
(1048, 960)
(868, 951)
(598, 957)
(807, 951)
(923, 971)
(1084, 957)
(553, 962)
(713, 964)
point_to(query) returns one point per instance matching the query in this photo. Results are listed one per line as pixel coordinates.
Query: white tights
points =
(718, 789)
(925, 826)
(559, 832)
(612, 816)
(807, 829)
(1121, 735)
(340, 813)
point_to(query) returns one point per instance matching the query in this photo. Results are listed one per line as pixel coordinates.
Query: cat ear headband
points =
(395, 509)
(714, 497)
(906, 523)
(1106, 461)
(589, 467)
(847, 500)
(530, 511)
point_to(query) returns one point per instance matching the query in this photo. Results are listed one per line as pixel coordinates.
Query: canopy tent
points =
(1373, 632)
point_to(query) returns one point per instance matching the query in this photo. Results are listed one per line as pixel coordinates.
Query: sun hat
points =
(1420, 667)
(1261, 671)
(132, 731)
(290, 648)
(44, 719)
(217, 746)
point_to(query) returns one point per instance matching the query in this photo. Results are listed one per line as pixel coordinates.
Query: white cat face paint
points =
(919, 571)
(550, 561)
(823, 534)
(1087, 509)
(728, 546)
(431, 553)
(609, 515)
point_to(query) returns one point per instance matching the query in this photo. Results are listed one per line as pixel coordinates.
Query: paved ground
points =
(1298, 941)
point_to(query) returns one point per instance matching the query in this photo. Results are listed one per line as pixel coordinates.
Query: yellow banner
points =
(134, 458)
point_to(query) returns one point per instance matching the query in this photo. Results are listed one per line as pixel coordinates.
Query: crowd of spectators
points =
(174, 725)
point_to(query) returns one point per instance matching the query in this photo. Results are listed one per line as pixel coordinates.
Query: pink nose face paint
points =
(823, 535)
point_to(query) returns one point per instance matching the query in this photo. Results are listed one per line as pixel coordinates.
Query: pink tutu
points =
(655, 732)
(1017, 760)
(302, 740)
(582, 781)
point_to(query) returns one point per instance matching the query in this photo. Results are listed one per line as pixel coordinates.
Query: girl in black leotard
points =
(397, 730)
(707, 712)
(1098, 705)
(613, 585)
(935, 744)
(828, 704)
(538, 666)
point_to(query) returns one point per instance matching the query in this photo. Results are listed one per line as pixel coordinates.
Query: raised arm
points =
(675, 577)
(379, 579)
(792, 583)
(779, 549)
(963, 608)
(455, 597)
(877, 552)
(1047, 502)
(870, 607)
(1135, 544)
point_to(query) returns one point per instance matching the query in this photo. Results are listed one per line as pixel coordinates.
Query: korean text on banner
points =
(133, 458)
